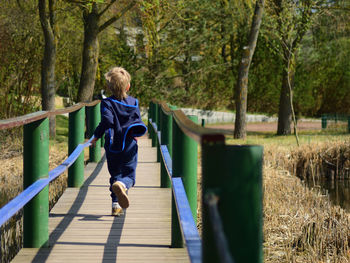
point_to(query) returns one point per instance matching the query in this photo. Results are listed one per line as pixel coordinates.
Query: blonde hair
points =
(118, 80)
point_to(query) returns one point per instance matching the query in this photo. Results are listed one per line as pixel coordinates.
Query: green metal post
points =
(76, 136)
(234, 173)
(166, 139)
(150, 130)
(189, 164)
(156, 114)
(203, 122)
(153, 133)
(184, 160)
(176, 237)
(94, 119)
(324, 121)
(159, 155)
(156, 118)
(35, 167)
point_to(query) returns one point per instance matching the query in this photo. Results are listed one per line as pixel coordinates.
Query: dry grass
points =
(300, 224)
(311, 160)
(11, 184)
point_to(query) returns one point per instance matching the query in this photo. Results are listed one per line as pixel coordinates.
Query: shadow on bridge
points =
(110, 247)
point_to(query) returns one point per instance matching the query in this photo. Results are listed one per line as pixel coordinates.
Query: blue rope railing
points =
(12, 207)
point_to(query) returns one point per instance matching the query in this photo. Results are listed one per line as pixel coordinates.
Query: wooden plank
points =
(82, 230)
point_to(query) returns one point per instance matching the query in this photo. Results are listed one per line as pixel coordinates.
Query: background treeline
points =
(185, 52)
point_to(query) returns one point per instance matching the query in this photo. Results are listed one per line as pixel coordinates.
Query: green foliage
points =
(69, 50)
(61, 129)
(114, 51)
(19, 59)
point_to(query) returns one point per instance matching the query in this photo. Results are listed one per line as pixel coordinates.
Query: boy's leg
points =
(123, 174)
(119, 188)
(125, 181)
(117, 210)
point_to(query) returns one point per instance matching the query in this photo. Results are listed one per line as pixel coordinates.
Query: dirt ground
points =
(268, 126)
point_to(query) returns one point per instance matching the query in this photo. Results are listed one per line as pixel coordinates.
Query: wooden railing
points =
(231, 188)
(36, 176)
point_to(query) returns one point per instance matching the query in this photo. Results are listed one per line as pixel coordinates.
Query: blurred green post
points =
(234, 174)
(324, 121)
(166, 139)
(75, 137)
(94, 118)
(35, 167)
(184, 160)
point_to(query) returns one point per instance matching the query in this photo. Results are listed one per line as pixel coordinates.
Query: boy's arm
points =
(106, 121)
(93, 141)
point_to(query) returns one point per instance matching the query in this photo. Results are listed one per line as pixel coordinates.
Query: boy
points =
(121, 123)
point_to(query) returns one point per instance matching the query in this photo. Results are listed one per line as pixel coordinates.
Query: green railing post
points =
(150, 116)
(176, 237)
(76, 136)
(166, 139)
(189, 163)
(324, 121)
(234, 173)
(156, 114)
(156, 120)
(184, 161)
(153, 117)
(94, 118)
(35, 167)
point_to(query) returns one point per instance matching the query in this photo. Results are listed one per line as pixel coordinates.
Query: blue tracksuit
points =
(121, 123)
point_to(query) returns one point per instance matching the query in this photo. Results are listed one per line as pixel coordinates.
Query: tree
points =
(19, 58)
(292, 21)
(93, 15)
(242, 81)
(48, 87)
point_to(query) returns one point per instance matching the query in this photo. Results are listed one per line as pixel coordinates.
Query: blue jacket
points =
(121, 122)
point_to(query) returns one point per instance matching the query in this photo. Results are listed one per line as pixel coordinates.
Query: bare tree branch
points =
(106, 8)
(116, 17)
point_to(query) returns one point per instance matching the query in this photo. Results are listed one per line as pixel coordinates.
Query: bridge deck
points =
(82, 230)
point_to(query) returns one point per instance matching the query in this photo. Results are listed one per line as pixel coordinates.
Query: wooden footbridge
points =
(82, 229)
(160, 224)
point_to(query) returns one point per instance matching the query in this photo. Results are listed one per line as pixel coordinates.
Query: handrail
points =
(36, 175)
(12, 207)
(32, 117)
(22, 120)
(165, 108)
(188, 226)
(196, 132)
(232, 172)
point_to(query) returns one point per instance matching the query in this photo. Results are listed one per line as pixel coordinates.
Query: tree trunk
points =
(241, 91)
(90, 56)
(285, 107)
(48, 89)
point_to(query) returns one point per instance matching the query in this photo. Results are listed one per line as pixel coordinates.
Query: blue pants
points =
(122, 166)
